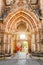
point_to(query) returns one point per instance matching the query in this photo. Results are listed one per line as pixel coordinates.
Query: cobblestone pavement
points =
(21, 61)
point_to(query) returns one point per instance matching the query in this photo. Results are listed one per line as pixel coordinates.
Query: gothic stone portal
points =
(20, 21)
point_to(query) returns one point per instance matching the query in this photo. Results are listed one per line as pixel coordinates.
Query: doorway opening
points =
(22, 43)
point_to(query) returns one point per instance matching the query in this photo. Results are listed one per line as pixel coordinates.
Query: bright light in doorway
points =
(22, 36)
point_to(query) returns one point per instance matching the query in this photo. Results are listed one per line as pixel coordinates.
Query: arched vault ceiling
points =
(22, 14)
(28, 25)
(22, 19)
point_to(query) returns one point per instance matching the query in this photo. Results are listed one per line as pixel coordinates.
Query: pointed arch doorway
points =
(23, 20)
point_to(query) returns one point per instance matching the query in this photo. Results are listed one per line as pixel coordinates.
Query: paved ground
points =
(21, 59)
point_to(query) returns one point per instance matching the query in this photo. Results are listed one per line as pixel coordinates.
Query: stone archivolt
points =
(22, 14)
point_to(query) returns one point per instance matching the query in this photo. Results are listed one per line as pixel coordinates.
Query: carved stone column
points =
(33, 43)
(6, 44)
(11, 44)
(42, 37)
(37, 42)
